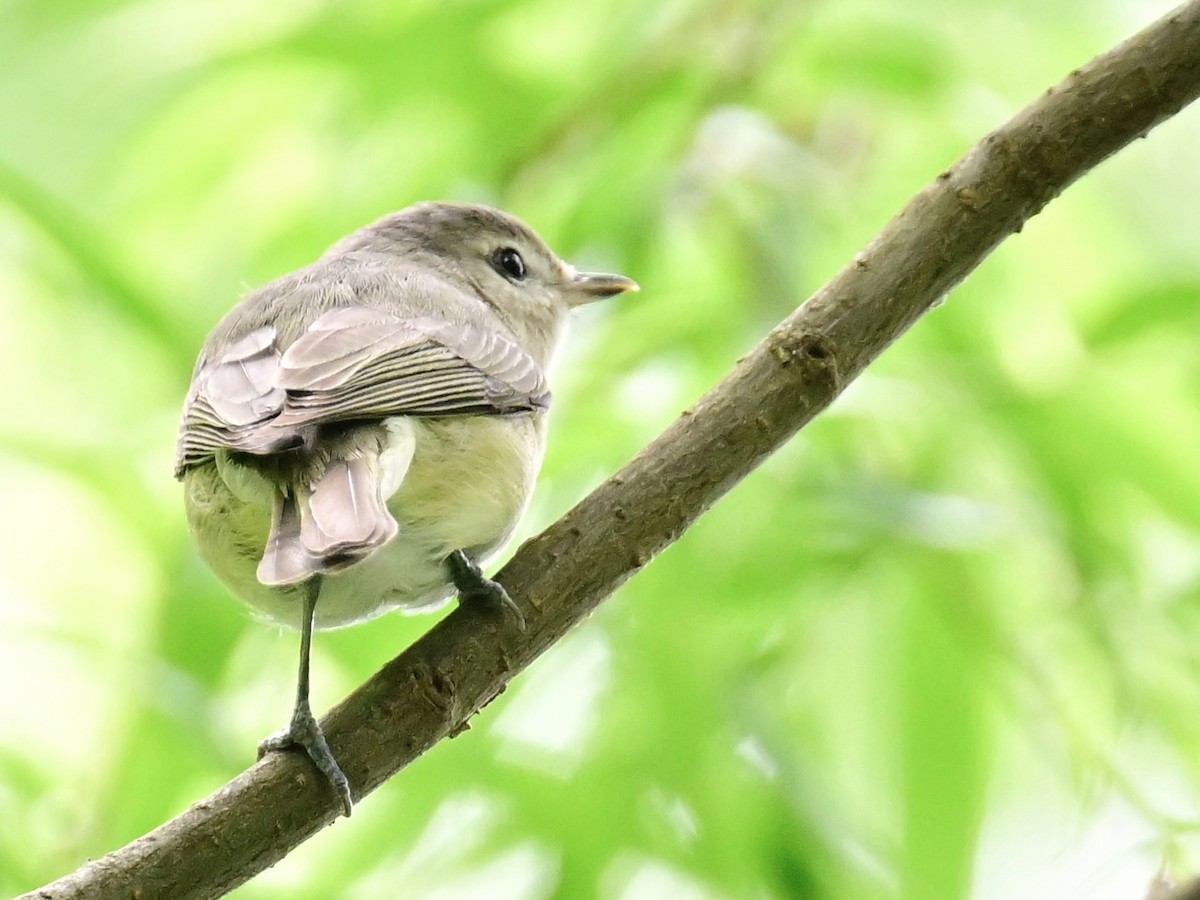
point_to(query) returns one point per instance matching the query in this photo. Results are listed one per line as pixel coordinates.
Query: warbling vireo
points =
(363, 434)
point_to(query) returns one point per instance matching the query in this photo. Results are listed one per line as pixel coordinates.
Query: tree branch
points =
(431, 689)
(1188, 891)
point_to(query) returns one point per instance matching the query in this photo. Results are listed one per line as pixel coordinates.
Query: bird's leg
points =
(304, 731)
(476, 589)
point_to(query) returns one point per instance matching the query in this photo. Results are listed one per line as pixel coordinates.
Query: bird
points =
(363, 434)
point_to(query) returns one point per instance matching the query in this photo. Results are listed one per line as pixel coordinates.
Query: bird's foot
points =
(305, 732)
(477, 590)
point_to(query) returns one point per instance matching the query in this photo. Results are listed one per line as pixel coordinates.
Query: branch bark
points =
(431, 689)
(1187, 891)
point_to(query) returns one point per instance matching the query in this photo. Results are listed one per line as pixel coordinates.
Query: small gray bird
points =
(364, 434)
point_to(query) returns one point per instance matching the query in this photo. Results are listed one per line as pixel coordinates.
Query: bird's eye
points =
(509, 263)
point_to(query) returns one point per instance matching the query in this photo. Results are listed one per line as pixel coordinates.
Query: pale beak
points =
(585, 287)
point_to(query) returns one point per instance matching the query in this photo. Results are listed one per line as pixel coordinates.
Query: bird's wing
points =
(353, 363)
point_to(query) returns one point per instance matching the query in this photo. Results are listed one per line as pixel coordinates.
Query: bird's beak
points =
(585, 287)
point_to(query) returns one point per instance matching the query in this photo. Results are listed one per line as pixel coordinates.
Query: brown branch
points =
(432, 688)
(1189, 890)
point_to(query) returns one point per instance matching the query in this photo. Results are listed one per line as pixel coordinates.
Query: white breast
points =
(468, 482)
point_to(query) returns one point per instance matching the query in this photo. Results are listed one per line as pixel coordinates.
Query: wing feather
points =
(352, 363)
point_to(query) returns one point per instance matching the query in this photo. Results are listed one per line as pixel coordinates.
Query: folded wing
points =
(352, 364)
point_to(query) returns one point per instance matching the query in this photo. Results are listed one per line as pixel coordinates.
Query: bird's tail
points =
(323, 528)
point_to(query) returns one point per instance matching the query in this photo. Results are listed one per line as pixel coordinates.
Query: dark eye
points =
(508, 261)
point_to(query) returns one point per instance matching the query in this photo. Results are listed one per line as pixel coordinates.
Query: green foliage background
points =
(944, 644)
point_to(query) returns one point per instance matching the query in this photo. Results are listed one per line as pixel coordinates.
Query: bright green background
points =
(946, 643)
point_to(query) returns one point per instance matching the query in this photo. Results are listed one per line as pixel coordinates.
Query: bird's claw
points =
(305, 732)
(476, 589)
